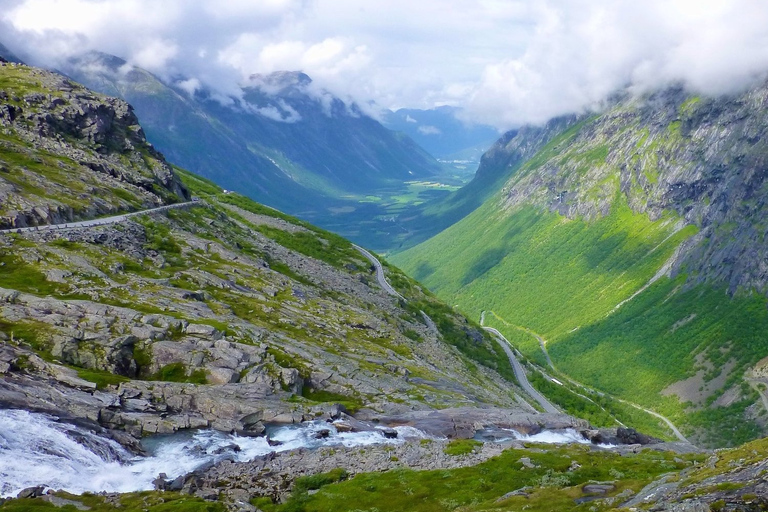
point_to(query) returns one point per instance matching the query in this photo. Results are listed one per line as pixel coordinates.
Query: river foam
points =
(36, 449)
(563, 436)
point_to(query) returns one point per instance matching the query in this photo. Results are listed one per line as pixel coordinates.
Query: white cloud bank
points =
(506, 62)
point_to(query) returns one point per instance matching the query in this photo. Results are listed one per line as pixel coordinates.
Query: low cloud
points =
(505, 62)
(282, 112)
(583, 51)
(429, 130)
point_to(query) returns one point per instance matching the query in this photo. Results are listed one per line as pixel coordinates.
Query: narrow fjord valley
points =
(210, 312)
(589, 334)
(284, 142)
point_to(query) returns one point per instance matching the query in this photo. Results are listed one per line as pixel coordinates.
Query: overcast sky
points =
(505, 62)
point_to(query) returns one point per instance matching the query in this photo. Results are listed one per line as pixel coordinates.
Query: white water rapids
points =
(566, 436)
(35, 449)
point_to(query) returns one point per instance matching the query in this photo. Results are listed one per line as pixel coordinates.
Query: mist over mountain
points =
(590, 316)
(440, 130)
(282, 140)
(505, 64)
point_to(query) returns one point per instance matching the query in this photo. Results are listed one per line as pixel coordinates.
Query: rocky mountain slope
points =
(205, 315)
(632, 245)
(283, 142)
(224, 313)
(90, 158)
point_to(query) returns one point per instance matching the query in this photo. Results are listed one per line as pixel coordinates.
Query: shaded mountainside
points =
(201, 315)
(634, 244)
(8, 56)
(283, 142)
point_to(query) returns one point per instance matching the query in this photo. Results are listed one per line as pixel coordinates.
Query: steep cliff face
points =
(633, 243)
(69, 154)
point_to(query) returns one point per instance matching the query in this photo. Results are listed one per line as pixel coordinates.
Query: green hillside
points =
(633, 250)
(221, 292)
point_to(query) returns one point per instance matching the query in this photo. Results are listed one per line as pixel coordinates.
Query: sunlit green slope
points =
(634, 246)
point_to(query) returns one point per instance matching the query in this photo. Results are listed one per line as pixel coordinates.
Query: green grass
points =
(540, 270)
(654, 349)
(151, 501)
(17, 274)
(311, 241)
(553, 487)
(197, 185)
(542, 273)
(461, 446)
(468, 337)
(177, 372)
(433, 216)
(159, 237)
(285, 360)
(34, 333)
(560, 278)
(102, 379)
(352, 404)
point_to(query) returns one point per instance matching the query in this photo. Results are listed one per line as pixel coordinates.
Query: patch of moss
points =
(102, 379)
(150, 501)
(352, 404)
(177, 372)
(461, 446)
(551, 486)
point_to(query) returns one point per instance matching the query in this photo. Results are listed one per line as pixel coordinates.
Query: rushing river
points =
(566, 436)
(35, 449)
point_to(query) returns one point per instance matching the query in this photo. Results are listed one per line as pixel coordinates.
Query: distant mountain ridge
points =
(284, 142)
(439, 130)
(8, 55)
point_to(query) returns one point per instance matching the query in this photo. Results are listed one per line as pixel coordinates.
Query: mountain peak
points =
(96, 58)
(279, 81)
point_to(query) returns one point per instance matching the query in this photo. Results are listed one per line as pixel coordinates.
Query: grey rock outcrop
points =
(96, 140)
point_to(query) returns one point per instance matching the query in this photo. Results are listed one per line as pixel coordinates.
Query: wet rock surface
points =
(465, 422)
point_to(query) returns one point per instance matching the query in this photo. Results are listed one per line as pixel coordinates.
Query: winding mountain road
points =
(542, 344)
(379, 272)
(516, 366)
(102, 221)
(671, 425)
(520, 373)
